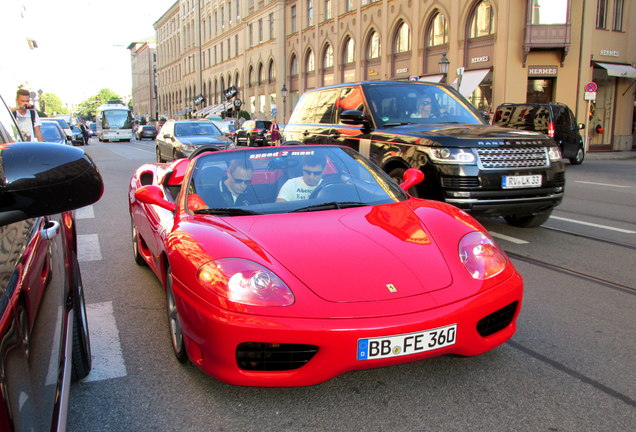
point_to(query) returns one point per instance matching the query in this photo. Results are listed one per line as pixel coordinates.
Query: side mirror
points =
(354, 117)
(581, 126)
(154, 195)
(39, 179)
(486, 116)
(167, 136)
(411, 178)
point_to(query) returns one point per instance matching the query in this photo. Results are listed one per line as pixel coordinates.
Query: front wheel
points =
(135, 244)
(174, 322)
(528, 221)
(160, 158)
(578, 158)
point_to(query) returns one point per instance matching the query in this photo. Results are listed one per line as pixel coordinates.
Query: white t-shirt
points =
(26, 126)
(296, 189)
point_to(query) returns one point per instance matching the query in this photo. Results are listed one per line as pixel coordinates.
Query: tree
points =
(86, 110)
(53, 104)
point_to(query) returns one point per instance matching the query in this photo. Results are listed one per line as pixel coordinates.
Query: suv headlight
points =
(450, 155)
(554, 153)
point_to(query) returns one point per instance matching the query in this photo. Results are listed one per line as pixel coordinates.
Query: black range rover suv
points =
(466, 162)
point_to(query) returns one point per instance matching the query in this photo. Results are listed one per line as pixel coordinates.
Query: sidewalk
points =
(610, 155)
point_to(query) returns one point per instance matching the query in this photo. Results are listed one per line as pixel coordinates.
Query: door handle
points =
(334, 135)
(51, 230)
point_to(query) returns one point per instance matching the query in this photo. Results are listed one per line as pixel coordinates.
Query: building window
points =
(271, 26)
(238, 10)
(310, 12)
(250, 32)
(327, 60)
(601, 14)
(373, 50)
(403, 39)
(293, 19)
(222, 17)
(549, 11)
(349, 51)
(229, 12)
(293, 66)
(250, 76)
(271, 74)
(310, 65)
(236, 45)
(438, 32)
(260, 74)
(482, 22)
(618, 15)
(260, 30)
(328, 9)
(229, 52)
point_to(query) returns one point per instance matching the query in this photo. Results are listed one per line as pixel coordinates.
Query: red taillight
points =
(256, 130)
(551, 130)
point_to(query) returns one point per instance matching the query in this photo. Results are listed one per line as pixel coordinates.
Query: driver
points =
(300, 188)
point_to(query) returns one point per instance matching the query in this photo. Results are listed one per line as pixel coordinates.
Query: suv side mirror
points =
(39, 179)
(355, 117)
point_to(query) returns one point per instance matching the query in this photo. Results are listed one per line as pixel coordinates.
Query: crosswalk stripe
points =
(88, 248)
(108, 360)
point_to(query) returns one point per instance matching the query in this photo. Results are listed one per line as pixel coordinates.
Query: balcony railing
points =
(547, 36)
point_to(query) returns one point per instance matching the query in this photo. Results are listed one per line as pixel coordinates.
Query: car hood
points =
(461, 134)
(364, 254)
(203, 140)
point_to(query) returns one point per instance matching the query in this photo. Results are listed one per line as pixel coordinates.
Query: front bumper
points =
(212, 335)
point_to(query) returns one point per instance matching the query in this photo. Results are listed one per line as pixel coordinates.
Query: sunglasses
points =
(248, 181)
(313, 173)
(426, 102)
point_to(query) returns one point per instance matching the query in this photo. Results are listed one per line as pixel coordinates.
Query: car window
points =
(9, 131)
(325, 107)
(561, 118)
(303, 113)
(51, 132)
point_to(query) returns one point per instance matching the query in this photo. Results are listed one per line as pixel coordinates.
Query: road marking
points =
(602, 184)
(88, 248)
(594, 225)
(508, 238)
(108, 361)
(84, 213)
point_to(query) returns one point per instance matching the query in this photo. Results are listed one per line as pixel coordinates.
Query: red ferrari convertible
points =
(288, 266)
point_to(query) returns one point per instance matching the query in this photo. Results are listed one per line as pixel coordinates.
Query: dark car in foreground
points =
(179, 138)
(149, 132)
(253, 133)
(44, 339)
(553, 119)
(466, 162)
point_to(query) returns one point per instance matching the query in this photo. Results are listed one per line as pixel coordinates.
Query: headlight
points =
(554, 153)
(481, 256)
(450, 155)
(244, 282)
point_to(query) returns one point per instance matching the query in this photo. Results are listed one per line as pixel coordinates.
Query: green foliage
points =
(52, 104)
(86, 110)
(245, 115)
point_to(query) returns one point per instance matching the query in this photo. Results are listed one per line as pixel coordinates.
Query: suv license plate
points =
(511, 182)
(406, 344)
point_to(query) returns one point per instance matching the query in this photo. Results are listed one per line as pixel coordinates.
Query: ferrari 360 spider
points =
(288, 266)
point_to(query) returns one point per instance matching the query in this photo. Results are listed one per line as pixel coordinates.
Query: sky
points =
(81, 45)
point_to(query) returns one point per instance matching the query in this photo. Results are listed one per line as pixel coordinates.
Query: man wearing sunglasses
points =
(300, 188)
(233, 188)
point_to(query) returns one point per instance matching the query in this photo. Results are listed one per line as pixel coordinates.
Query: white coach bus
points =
(114, 122)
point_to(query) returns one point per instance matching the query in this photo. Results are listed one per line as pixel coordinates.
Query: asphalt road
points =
(570, 367)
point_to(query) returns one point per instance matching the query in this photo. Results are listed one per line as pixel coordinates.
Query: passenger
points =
(233, 188)
(300, 188)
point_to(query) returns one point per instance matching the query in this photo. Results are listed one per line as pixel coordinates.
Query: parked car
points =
(178, 138)
(553, 119)
(78, 138)
(146, 131)
(93, 129)
(227, 127)
(65, 126)
(353, 274)
(52, 132)
(252, 133)
(466, 162)
(44, 334)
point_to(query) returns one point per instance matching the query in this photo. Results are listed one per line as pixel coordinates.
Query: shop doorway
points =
(540, 90)
(602, 111)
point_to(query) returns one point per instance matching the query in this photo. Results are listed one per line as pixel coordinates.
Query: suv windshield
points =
(398, 103)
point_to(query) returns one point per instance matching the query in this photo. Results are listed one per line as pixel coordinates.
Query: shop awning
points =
(431, 78)
(470, 80)
(204, 111)
(619, 70)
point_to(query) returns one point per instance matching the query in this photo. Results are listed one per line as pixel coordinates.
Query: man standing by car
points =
(26, 116)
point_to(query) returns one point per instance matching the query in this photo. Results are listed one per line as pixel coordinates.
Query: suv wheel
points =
(578, 158)
(529, 221)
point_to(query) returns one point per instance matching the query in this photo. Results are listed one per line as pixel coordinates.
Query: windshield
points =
(395, 104)
(196, 129)
(287, 180)
(117, 119)
(51, 132)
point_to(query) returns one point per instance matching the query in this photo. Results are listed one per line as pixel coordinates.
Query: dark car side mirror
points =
(38, 179)
(354, 117)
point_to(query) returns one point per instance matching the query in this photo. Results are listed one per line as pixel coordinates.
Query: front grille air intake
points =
(509, 157)
(260, 356)
(497, 321)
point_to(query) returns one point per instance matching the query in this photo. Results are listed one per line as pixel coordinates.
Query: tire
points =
(139, 259)
(174, 322)
(250, 142)
(174, 155)
(160, 158)
(529, 221)
(81, 354)
(578, 158)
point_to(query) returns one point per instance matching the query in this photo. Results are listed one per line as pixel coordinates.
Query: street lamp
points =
(283, 92)
(443, 66)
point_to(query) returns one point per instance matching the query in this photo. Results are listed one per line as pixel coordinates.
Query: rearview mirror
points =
(38, 179)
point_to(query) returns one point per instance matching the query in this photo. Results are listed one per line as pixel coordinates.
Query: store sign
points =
(230, 92)
(543, 70)
(482, 59)
(402, 70)
(198, 100)
(610, 53)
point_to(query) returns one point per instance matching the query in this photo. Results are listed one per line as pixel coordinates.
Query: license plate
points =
(511, 182)
(406, 344)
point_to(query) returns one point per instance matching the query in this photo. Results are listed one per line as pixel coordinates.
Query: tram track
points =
(589, 237)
